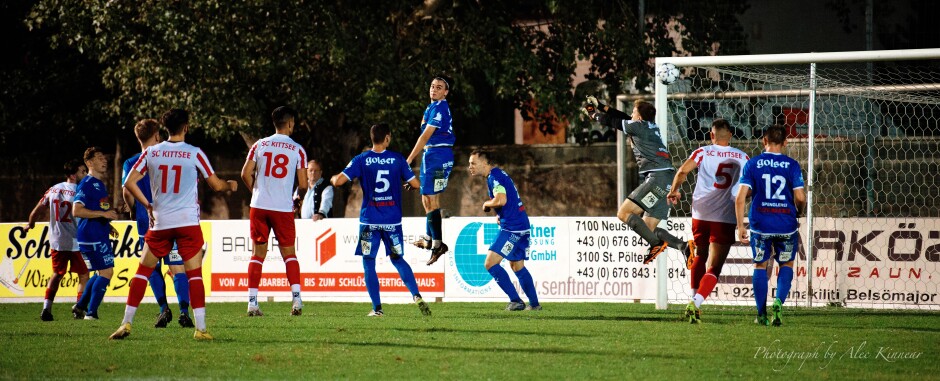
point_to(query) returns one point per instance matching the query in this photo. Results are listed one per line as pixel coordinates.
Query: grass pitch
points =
(475, 341)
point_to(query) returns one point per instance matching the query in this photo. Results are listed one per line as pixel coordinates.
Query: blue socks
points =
(158, 286)
(434, 224)
(407, 276)
(528, 286)
(181, 284)
(372, 282)
(502, 279)
(760, 290)
(784, 281)
(97, 294)
(86, 293)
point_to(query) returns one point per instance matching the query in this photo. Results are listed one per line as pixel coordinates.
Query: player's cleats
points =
(297, 309)
(202, 335)
(423, 242)
(163, 318)
(77, 312)
(425, 310)
(693, 313)
(762, 320)
(375, 313)
(186, 321)
(776, 311)
(437, 253)
(655, 251)
(689, 253)
(534, 308)
(254, 311)
(123, 331)
(91, 316)
(515, 306)
(46, 315)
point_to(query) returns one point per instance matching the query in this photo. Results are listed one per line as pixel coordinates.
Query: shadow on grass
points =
(483, 331)
(488, 349)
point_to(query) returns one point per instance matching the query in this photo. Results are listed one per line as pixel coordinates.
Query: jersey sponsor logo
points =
(380, 160)
(772, 163)
(649, 200)
(437, 117)
(440, 184)
(507, 248)
(105, 203)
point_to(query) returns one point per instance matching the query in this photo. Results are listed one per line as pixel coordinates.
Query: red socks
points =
(293, 269)
(197, 289)
(138, 285)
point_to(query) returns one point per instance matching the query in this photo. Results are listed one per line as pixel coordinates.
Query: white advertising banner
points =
(328, 264)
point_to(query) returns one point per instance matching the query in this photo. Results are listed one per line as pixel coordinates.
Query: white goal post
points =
(865, 123)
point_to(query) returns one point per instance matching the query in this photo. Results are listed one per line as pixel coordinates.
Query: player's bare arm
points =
(338, 179)
(740, 203)
(498, 200)
(422, 141)
(130, 186)
(128, 200)
(681, 174)
(799, 199)
(248, 174)
(35, 214)
(220, 185)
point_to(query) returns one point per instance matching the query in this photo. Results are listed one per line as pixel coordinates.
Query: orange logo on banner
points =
(326, 246)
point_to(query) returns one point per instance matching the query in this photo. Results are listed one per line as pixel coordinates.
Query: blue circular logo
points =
(468, 258)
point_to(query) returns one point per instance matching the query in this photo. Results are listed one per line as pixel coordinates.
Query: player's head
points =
(721, 130)
(380, 133)
(74, 169)
(283, 117)
(440, 87)
(314, 170)
(643, 110)
(147, 131)
(95, 160)
(175, 120)
(775, 135)
(481, 161)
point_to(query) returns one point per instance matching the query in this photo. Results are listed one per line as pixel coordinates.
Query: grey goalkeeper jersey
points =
(651, 154)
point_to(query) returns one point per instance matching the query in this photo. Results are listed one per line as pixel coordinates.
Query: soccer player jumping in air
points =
(437, 143)
(649, 199)
(776, 183)
(381, 173)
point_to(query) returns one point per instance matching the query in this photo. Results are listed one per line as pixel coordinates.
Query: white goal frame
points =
(810, 59)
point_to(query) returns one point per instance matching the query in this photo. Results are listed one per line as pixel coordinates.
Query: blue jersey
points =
(93, 194)
(380, 176)
(512, 216)
(438, 115)
(140, 212)
(772, 178)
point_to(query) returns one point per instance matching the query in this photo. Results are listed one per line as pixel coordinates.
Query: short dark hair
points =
(378, 132)
(721, 124)
(776, 134)
(484, 154)
(90, 153)
(146, 129)
(282, 115)
(71, 166)
(646, 110)
(174, 120)
(448, 81)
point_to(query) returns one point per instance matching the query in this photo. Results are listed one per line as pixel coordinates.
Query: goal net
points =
(865, 128)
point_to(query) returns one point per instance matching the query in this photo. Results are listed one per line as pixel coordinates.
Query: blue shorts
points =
(436, 164)
(783, 247)
(97, 256)
(371, 235)
(513, 246)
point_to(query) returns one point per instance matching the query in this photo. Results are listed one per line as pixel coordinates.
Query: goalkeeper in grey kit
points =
(646, 206)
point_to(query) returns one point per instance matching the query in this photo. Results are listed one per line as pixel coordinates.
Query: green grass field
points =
(475, 341)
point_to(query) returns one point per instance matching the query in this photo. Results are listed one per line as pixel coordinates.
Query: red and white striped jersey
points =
(174, 169)
(62, 228)
(719, 169)
(277, 159)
